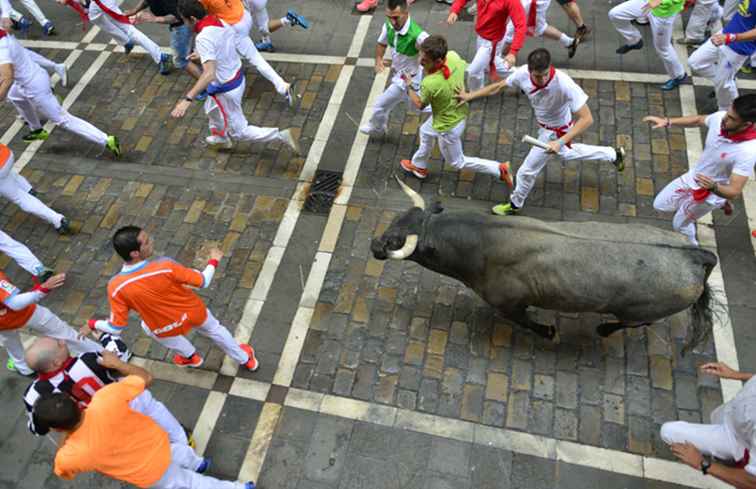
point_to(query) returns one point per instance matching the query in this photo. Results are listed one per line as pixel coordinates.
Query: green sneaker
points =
(504, 209)
(747, 69)
(38, 135)
(113, 146)
(11, 365)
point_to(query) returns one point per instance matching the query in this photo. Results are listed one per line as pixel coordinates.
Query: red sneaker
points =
(252, 364)
(366, 5)
(407, 166)
(505, 175)
(193, 362)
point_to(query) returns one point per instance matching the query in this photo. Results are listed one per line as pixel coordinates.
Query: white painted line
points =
(196, 377)
(331, 231)
(435, 425)
(258, 446)
(515, 441)
(293, 346)
(600, 458)
(302, 399)
(203, 430)
(359, 37)
(40, 44)
(315, 279)
(749, 199)
(309, 59)
(676, 473)
(359, 410)
(250, 389)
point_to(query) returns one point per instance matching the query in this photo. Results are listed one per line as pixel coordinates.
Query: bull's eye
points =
(395, 243)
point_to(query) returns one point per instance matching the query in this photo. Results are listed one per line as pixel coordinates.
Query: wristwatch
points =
(705, 464)
(189, 99)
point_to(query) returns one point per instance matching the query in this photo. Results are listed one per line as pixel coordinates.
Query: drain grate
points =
(322, 192)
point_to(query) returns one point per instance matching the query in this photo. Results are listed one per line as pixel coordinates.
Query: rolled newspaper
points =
(534, 142)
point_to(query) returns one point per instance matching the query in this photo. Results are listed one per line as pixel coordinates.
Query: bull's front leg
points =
(520, 316)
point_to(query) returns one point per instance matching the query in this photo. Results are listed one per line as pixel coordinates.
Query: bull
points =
(638, 273)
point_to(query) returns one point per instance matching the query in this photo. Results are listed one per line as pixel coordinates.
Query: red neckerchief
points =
(207, 21)
(53, 373)
(552, 72)
(444, 69)
(738, 137)
(3, 33)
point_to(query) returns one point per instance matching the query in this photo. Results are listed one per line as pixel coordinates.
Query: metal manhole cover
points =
(322, 192)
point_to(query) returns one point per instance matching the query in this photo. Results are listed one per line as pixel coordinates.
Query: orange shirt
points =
(10, 319)
(115, 440)
(230, 11)
(156, 289)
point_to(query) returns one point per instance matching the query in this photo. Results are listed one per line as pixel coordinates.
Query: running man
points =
(265, 25)
(561, 109)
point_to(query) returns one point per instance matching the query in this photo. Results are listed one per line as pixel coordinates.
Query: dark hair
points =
(57, 411)
(745, 107)
(191, 8)
(435, 46)
(125, 240)
(539, 60)
(392, 4)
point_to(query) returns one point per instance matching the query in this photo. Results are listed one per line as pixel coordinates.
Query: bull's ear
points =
(436, 208)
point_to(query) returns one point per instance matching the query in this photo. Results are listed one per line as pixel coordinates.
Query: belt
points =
(235, 82)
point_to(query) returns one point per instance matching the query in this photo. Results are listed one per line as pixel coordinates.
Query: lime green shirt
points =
(668, 8)
(439, 93)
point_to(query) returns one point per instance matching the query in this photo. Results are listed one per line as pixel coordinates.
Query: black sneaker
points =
(65, 226)
(582, 32)
(45, 275)
(629, 47)
(33, 192)
(572, 48)
(619, 162)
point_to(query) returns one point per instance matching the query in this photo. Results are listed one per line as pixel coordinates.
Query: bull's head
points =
(400, 239)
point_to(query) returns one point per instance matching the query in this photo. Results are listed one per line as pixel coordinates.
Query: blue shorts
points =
(181, 42)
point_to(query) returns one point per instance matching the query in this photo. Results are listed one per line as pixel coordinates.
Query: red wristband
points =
(213, 262)
(91, 323)
(39, 288)
(729, 38)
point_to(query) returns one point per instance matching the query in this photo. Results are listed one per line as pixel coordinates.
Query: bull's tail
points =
(702, 311)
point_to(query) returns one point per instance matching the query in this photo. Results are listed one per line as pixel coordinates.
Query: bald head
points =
(46, 354)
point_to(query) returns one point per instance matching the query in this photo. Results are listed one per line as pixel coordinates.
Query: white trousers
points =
(20, 254)
(36, 101)
(480, 65)
(260, 15)
(224, 111)
(537, 158)
(48, 65)
(542, 6)
(395, 93)
(15, 188)
(710, 439)
(677, 197)
(719, 64)
(246, 48)
(212, 329)
(661, 29)
(33, 9)
(146, 404)
(704, 13)
(450, 144)
(44, 322)
(181, 473)
(122, 33)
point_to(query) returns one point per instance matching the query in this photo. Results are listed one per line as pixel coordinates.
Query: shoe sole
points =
(190, 365)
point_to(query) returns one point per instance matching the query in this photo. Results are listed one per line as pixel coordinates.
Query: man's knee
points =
(673, 432)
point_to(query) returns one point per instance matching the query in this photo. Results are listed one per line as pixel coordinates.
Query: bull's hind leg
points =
(520, 316)
(605, 329)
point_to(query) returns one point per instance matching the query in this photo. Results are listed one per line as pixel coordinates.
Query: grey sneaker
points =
(288, 138)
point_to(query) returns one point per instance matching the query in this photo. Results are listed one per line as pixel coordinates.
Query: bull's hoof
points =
(548, 332)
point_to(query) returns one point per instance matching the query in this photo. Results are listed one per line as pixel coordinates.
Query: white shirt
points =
(219, 44)
(400, 62)
(554, 104)
(721, 157)
(24, 69)
(739, 418)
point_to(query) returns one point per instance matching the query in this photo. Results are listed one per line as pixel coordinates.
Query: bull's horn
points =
(409, 247)
(417, 199)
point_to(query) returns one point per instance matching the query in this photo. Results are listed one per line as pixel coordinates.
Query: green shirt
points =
(668, 8)
(439, 93)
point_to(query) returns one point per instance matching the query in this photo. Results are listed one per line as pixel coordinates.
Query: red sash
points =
(79, 10)
(559, 131)
(123, 19)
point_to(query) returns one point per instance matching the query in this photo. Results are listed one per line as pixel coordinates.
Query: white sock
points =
(565, 40)
(286, 21)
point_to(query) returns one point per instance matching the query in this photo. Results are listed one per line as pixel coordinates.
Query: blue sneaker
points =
(250, 485)
(166, 60)
(128, 47)
(297, 19)
(673, 83)
(201, 97)
(203, 466)
(23, 25)
(48, 28)
(264, 46)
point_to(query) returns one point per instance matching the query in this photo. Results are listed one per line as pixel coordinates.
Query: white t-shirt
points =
(739, 417)
(24, 69)
(554, 104)
(722, 157)
(218, 44)
(400, 62)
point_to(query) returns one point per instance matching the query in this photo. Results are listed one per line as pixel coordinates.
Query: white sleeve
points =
(383, 38)
(5, 56)
(20, 301)
(512, 80)
(578, 98)
(5, 9)
(421, 38)
(744, 167)
(207, 275)
(205, 49)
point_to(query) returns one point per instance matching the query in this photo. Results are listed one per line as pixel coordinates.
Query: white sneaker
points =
(371, 131)
(288, 138)
(222, 141)
(62, 71)
(289, 95)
